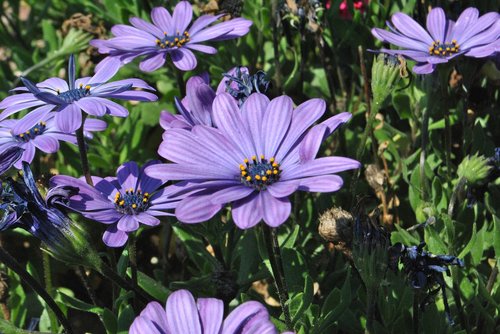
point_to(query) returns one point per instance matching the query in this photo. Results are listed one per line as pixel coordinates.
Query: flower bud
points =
(474, 168)
(387, 70)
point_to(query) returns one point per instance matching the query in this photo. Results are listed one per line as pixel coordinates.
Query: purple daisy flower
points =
(122, 202)
(255, 158)
(444, 39)
(169, 35)
(38, 133)
(184, 314)
(89, 94)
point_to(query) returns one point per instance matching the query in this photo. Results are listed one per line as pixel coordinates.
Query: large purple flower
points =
(68, 99)
(169, 35)
(255, 158)
(41, 133)
(184, 314)
(122, 202)
(444, 39)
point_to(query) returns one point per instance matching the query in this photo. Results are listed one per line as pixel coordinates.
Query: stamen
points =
(176, 40)
(131, 202)
(259, 174)
(444, 49)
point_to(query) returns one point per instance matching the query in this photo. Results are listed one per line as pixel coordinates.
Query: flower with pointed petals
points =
(169, 35)
(184, 314)
(255, 158)
(69, 99)
(122, 202)
(38, 133)
(471, 35)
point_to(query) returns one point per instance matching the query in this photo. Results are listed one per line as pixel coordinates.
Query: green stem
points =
(80, 138)
(416, 307)
(454, 196)
(10, 262)
(132, 257)
(275, 22)
(47, 272)
(447, 141)
(423, 153)
(274, 252)
(370, 309)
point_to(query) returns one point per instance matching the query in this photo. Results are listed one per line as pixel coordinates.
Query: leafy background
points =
(214, 258)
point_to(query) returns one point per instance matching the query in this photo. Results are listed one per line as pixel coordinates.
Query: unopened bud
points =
(387, 70)
(474, 168)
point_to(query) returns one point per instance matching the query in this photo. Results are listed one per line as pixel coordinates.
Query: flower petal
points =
(153, 62)
(113, 237)
(241, 315)
(92, 106)
(31, 119)
(247, 212)
(436, 24)
(146, 219)
(276, 122)
(183, 14)
(69, 118)
(156, 313)
(46, 143)
(128, 174)
(411, 28)
(183, 59)
(211, 314)
(320, 166)
(142, 325)
(321, 184)
(275, 210)
(182, 314)
(162, 19)
(196, 209)
(127, 223)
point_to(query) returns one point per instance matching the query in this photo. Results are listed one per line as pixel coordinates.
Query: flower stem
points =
(320, 42)
(132, 257)
(416, 306)
(47, 273)
(423, 153)
(370, 309)
(275, 22)
(10, 262)
(80, 138)
(273, 249)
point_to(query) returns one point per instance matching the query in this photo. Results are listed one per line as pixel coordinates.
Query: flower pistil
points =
(30, 134)
(132, 201)
(444, 49)
(176, 40)
(259, 174)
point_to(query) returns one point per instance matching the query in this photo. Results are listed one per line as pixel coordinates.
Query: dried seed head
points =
(336, 225)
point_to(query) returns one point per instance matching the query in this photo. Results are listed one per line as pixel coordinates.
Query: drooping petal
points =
(275, 210)
(46, 143)
(69, 118)
(146, 219)
(196, 209)
(184, 59)
(92, 106)
(247, 212)
(113, 237)
(153, 62)
(283, 188)
(127, 223)
(182, 313)
(211, 312)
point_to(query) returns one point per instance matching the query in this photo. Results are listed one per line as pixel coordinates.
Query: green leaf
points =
(154, 288)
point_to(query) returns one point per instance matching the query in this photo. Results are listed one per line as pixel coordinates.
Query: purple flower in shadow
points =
(69, 99)
(9, 157)
(184, 314)
(444, 39)
(169, 35)
(38, 133)
(255, 158)
(122, 202)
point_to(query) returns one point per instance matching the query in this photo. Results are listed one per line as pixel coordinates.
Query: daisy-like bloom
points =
(122, 202)
(444, 39)
(255, 158)
(69, 99)
(38, 133)
(183, 314)
(169, 35)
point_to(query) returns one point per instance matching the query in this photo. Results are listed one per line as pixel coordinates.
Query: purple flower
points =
(184, 314)
(194, 109)
(444, 39)
(89, 94)
(122, 202)
(38, 133)
(255, 158)
(169, 35)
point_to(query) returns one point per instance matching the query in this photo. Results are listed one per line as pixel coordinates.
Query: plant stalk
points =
(10, 262)
(80, 138)
(47, 273)
(273, 249)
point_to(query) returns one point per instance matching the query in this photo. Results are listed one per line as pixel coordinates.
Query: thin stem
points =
(80, 271)
(458, 188)
(423, 153)
(10, 262)
(274, 252)
(275, 22)
(80, 138)
(447, 141)
(180, 81)
(142, 295)
(132, 257)
(47, 272)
